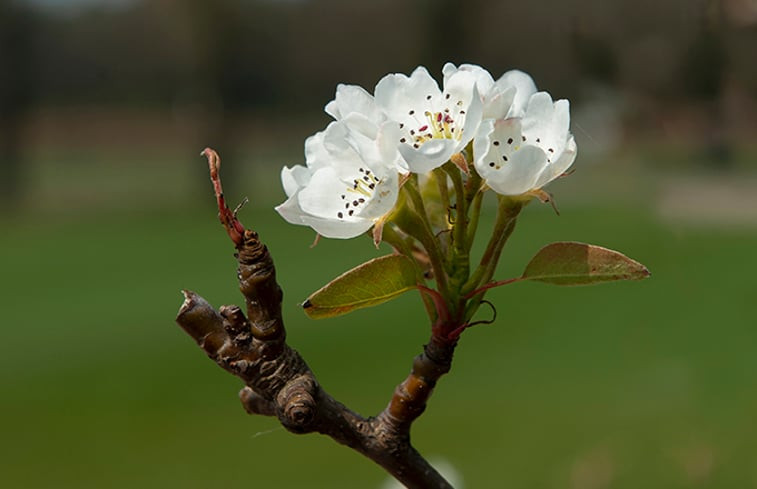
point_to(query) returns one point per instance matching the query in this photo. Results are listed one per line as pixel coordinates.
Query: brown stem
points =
(279, 383)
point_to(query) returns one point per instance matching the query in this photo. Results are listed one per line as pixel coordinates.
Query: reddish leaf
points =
(569, 263)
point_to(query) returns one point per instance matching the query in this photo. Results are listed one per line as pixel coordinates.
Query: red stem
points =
(491, 285)
(233, 227)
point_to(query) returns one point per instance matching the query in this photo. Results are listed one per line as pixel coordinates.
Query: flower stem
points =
(507, 212)
(461, 214)
(475, 214)
(421, 230)
(441, 181)
(392, 237)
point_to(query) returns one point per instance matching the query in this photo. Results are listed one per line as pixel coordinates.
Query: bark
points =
(278, 381)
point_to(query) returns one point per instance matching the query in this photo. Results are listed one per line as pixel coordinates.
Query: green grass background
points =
(647, 384)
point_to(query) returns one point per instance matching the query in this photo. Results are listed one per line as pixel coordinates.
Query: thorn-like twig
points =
(234, 228)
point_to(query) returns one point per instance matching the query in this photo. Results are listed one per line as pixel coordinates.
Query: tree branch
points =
(279, 383)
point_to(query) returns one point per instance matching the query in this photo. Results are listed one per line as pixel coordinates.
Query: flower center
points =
(501, 153)
(446, 123)
(361, 192)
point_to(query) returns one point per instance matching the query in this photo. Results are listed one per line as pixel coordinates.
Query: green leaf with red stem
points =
(372, 283)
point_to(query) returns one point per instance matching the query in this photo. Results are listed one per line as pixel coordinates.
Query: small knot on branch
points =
(236, 325)
(297, 404)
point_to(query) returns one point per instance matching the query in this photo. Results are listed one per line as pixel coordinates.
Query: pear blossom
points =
(517, 155)
(434, 124)
(506, 97)
(349, 183)
(353, 99)
(357, 108)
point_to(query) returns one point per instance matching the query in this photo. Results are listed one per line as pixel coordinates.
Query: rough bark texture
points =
(279, 383)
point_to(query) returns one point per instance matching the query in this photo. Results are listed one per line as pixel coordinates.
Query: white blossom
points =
(506, 97)
(434, 124)
(350, 180)
(516, 155)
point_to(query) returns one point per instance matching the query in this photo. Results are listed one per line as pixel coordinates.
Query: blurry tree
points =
(595, 58)
(703, 70)
(235, 68)
(16, 92)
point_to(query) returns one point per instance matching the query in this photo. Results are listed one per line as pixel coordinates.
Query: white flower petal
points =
(498, 103)
(506, 164)
(292, 213)
(430, 155)
(520, 174)
(337, 229)
(315, 149)
(351, 99)
(473, 117)
(524, 88)
(483, 79)
(399, 95)
(559, 166)
(292, 179)
(546, 124)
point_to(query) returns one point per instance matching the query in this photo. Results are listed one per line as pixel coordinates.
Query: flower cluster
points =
(517, 138)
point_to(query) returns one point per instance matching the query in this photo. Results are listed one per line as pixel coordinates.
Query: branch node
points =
(236, 325)
(254, 403)
(297, 403)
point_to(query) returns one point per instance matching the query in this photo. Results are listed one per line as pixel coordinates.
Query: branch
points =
(279, 383)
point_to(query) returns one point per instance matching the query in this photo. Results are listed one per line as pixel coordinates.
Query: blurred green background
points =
(107, 214)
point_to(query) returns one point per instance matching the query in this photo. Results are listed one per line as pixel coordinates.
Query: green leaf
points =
(375, 281)
(568, 263)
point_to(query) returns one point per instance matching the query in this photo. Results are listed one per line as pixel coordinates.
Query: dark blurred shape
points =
(595, 58)
(221, 80)
(446, 31)
(16, 92)
(703, 70)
